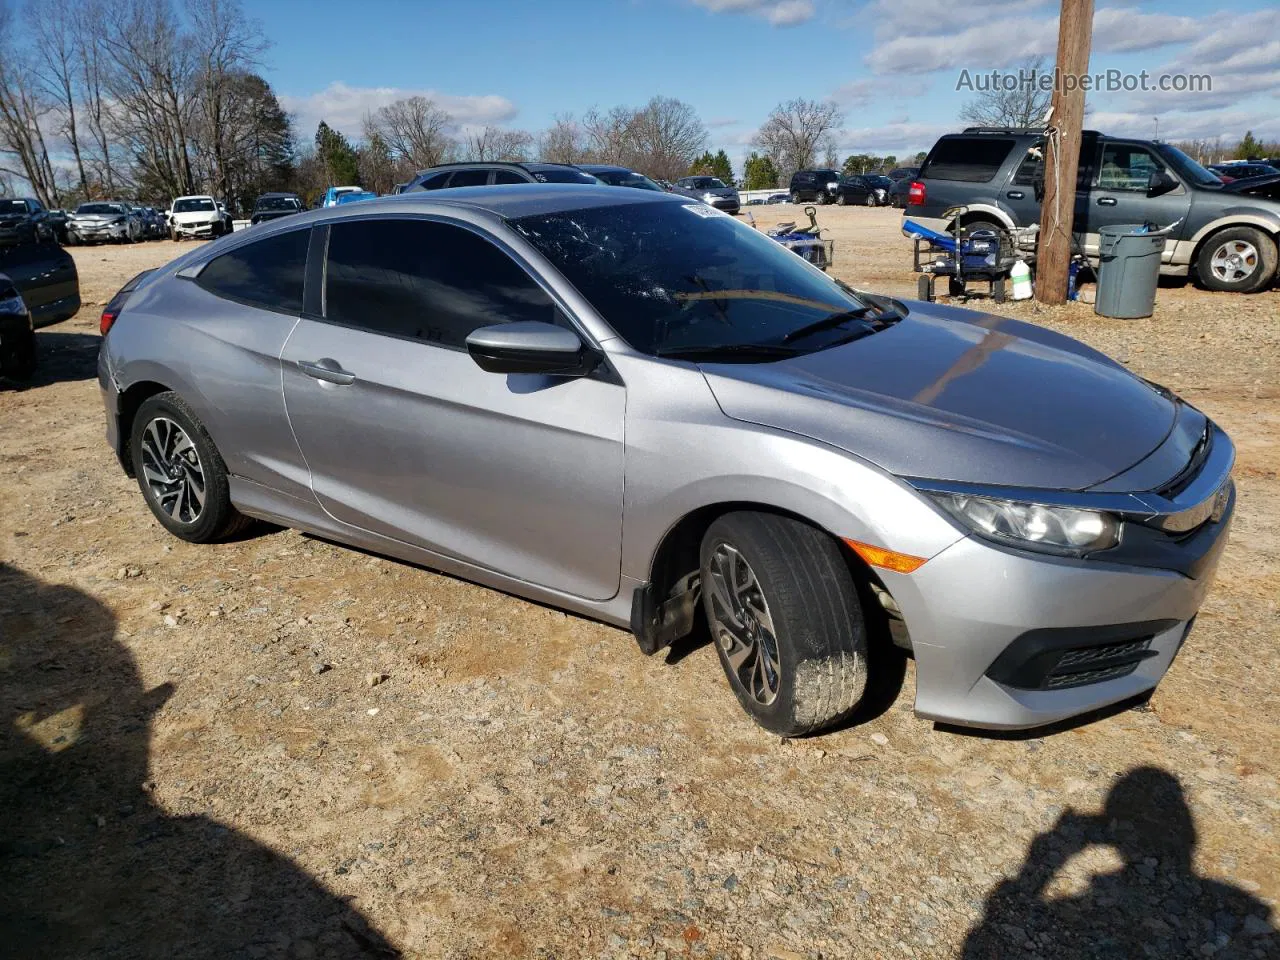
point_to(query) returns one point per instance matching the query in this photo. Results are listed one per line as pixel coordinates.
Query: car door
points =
(1119, 193)
(407, 437)
(46, 276)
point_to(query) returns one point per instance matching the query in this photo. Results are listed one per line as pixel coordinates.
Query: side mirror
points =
(530, 346)
(1160, 182)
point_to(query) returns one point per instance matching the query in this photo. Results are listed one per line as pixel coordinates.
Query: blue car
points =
(334, 194)
(355, 197)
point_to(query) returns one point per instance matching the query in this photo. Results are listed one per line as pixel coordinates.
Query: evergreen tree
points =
(759, 173)
(722, 168)
(341, 163)
(1249, 147)
(704, 166)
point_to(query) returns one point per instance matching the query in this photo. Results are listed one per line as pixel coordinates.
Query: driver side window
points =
(1127, 167)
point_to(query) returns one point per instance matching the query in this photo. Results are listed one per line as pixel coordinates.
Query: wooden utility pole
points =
(1062, 151)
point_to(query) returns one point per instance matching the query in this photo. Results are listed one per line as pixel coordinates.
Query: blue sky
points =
(892, 65)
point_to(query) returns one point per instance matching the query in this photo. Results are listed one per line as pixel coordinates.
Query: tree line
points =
(152, 99)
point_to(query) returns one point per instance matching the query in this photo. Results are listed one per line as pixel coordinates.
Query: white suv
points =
(195, 216)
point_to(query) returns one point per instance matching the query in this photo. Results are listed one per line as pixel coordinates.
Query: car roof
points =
(279, 193)
(520, 164)
(508, 201)
(603, 168)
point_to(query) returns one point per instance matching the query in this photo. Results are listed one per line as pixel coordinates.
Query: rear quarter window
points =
(967, 159)
(267, 274)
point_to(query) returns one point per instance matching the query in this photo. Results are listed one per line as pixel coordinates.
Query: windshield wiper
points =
(763, 351)
(827, 322)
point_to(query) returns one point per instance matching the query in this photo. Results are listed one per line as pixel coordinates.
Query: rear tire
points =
(785, 619)
(871, 199)
(18, 357)
(1237, 259)
(841, 200)
(795, 198)
(180, 472)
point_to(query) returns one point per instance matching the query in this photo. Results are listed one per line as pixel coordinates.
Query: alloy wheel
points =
(742, 624)
(172, 470)
(1234, 260)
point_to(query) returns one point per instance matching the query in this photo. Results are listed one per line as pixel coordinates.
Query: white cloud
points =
(1230, 125)
(901, 138)
(780, 13)
(871, 90)
(999, 35)
(716, 122)
(344, 107)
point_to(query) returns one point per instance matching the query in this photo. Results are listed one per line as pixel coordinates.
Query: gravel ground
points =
(278, 747)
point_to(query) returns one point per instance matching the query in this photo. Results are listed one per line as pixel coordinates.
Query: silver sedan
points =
(631, 406)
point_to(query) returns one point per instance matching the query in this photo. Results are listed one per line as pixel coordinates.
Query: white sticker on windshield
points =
(703, 210)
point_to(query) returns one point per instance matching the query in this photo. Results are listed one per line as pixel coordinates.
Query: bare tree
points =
(563, 141)
(416, 130)
(227, 45)
(151, 81)
(607, 136)
(665, 137)
(93, 68)
(495, 143)
(24, 108)
(53, 32)
(796, 131)
(1025, 105)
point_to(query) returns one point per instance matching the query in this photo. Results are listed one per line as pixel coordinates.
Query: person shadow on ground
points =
(1153, 906)
(90, 864)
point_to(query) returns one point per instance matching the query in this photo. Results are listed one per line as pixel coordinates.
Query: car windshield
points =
(193, 205)
(704, 183)
(882, 181)
(13, 206)
(1187, 167)
(91, 208)
(627, 178)
(562, 175)
(676, 278)
(279, 203)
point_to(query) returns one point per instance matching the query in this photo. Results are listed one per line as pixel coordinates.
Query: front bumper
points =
(95, 234)
(194, 229)
(1010, 639)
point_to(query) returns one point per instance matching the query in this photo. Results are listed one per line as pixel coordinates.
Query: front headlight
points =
(1033, 526)
(709, 198)
(833, 184)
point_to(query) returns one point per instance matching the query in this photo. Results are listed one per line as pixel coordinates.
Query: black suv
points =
(993, 177)
(24, 220)
(819, 186)
(478, 174)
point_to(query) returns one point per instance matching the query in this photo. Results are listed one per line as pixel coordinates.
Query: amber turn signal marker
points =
(888, 559)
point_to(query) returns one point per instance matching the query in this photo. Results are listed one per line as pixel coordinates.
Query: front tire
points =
(871, 199)
(180, 472)
(1238, 259)
(785, 619)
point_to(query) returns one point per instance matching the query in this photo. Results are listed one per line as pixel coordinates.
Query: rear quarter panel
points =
(223, 359)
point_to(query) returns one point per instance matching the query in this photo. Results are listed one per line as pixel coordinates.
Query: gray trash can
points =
(1129, 271)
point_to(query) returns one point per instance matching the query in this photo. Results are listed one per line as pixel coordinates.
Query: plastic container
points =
(1021, 277)
(1129, 270)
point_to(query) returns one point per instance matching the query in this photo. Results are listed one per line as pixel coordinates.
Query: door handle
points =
(330, 371)
(1015, 194)
(1106, 201)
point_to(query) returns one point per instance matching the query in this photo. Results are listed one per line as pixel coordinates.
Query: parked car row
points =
(992, 178)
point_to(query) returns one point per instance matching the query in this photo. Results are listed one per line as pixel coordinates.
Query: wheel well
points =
(1204, 241)
(676, 558)
(130, 401)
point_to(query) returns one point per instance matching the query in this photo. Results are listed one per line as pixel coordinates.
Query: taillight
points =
(112, 310)
(108, 318)
(916, 194)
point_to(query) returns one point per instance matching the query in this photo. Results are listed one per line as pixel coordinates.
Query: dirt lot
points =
(282, 748)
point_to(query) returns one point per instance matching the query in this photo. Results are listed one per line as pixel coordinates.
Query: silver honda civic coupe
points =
(634, 407)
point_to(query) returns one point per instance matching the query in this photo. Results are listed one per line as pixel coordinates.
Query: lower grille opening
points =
(1057, 659)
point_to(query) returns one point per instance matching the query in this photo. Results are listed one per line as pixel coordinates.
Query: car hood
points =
(949, 394)
(93, 218)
